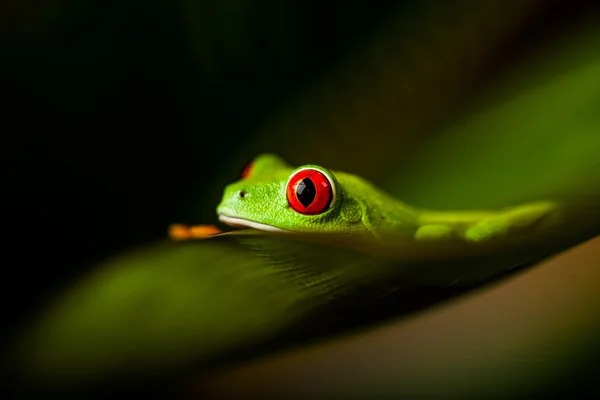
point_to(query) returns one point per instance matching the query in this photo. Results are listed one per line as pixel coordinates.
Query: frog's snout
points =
(233, 197)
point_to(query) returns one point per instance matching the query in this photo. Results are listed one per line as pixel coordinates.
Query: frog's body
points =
(364, 217)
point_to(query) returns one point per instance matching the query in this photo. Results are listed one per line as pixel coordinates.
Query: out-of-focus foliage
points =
(534, 136)
(535, 335)
(158, 308)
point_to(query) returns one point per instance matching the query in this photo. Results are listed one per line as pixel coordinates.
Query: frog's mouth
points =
(244, 223)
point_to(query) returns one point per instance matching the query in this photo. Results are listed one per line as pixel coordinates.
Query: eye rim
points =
(248, 170)
(330, 180)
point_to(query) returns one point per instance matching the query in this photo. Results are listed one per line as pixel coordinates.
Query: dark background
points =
(115, 116)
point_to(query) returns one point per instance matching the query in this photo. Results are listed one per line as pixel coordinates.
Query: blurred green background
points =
(121, 117)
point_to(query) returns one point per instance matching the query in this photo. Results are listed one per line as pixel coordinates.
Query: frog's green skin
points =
(365, 217)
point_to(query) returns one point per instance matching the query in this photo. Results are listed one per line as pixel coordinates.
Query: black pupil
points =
(306, 192)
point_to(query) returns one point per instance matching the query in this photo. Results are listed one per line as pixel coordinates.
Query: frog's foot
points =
(519, 220)
(184, 232)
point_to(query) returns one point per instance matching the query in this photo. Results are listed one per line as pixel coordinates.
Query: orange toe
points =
(200, 231)
(179, 232)
(183, 232)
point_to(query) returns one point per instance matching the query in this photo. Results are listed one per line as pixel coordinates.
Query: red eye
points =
(248, 170)
(310, 192)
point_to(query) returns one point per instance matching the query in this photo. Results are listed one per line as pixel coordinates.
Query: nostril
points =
(242, 194)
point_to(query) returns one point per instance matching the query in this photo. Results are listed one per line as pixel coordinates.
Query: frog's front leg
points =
(434, 232)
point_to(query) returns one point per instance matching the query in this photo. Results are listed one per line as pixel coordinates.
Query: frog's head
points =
(273, 196)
